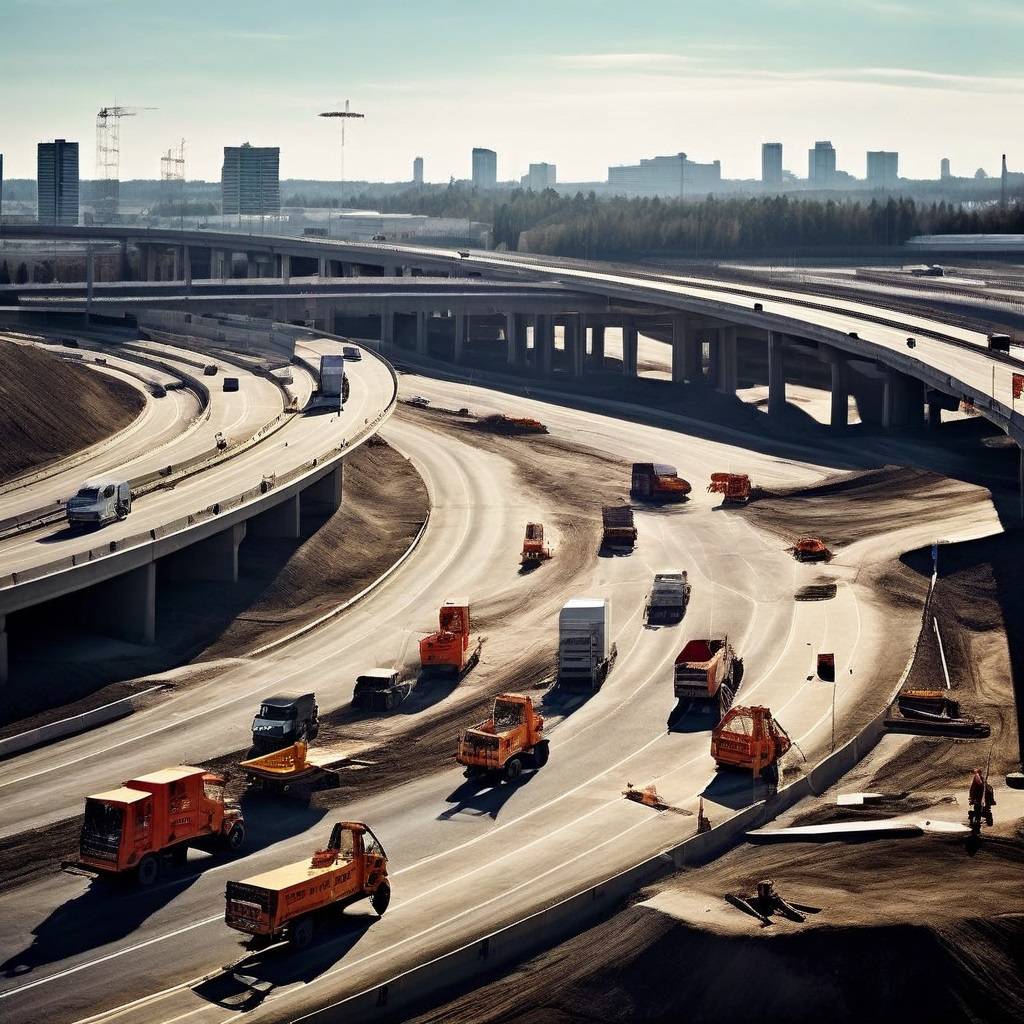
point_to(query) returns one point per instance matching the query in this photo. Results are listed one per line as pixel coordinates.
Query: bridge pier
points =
(4, 670)
(148, 256)
(422, 333)
(544, 342)
(693, 355)
(387, 330)
(186, 265)
(597, 345)
(576, 343)
(286, 268)
(515, 336)
(125, 606)
(458, 351)
(252, 267)
(214, 559)
(776, 375)
(323, 268)
(679, 348)
(725, 361)
(280, 522)
(325, 495)
(629, 348)
(902, 400)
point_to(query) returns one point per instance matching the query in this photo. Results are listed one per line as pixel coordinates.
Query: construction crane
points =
(344, 115)
(172, 179)
(108, 158)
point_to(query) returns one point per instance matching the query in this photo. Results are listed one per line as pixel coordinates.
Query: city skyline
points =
(598, 91)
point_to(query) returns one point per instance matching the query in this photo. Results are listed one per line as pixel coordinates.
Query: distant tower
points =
(417, 171)
(944, 169)
(771, 163)
(485, 168)
(1002, 184)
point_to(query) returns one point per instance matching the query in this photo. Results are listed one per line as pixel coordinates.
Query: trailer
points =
(297, 770)
(619, 530)
(669, 596)
(585, 651)
(707, 674)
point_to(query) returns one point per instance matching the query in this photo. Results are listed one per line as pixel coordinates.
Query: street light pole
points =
(344, 115)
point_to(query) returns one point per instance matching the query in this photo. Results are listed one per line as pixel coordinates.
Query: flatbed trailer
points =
(298, 768)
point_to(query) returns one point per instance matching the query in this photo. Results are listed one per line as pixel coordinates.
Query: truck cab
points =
(379, 689)
(100, 501)
(285, 719)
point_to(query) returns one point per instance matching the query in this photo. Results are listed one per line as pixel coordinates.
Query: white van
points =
(100, 501)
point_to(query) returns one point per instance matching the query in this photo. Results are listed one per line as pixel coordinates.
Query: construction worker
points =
(981, 799)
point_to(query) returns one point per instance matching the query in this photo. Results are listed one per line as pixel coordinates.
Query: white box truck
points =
(668, 598)
(99, 501)
(585, 650)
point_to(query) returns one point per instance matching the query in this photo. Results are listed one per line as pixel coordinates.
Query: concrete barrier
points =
(73, 725)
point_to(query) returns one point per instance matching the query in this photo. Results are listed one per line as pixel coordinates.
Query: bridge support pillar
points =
(387, 329)
(252, 267)
(150, 259)
(90, 280)
(902, 400)
(597, 346)
(776, 375)
(286, 268)
(629, 348)
(325, 495)
(839, 418)
(125, 270)
(678, 348)
(324, 268)
(514, 341)
(422, 333)
(282, 521)
(458, 350)
(693, 355)
(214, 559)
(125, 606)
(4, 669)
(576, 343)
(544, 342)
(726, 361)
(186, 265)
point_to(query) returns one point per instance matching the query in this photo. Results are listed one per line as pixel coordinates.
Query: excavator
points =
(448, 649)
(750, 739)
(534, 550)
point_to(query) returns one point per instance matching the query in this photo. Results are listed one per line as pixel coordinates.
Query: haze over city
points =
(578, 83)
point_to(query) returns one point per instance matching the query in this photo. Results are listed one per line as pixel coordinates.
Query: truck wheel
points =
(148, 870)
(513, 769)
(381, 898)
(235, 838)
(301, 935)
(540, 754)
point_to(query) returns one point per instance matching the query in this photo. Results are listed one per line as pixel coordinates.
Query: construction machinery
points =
(449, 649)
(508, 741)
(811, 549)
(734, 487)
(534, 549)
(513, 425)
(153, 817)
(297, 770)
(285, 719)
(657, 481)
(707, 675)
(619, 529)
(287, 902)
(669, 596)
(750, 739)
(585, 651)
(380, 689)
(933, 713)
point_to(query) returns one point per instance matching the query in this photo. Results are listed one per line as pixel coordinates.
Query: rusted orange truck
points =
(448, 649)
(508, 741)
(707, 673)
(657, 481)
(287, 902)
(750, 739)
(734, 487)
(133, 828)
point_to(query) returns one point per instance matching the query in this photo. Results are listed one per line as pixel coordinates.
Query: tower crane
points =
(108, 158)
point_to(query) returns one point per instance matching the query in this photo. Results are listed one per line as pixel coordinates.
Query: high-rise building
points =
(883, 169)
(417, 171)
(771, 163)
(485, 168)
(540, 177)
(249, 182)
(821, 164)
(1, 188)
(57, 182)
(944, 172)
(675, 176)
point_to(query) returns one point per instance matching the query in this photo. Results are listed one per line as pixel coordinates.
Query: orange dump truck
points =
(750, 739)
(533, 545)
(511, 738)
(734, 487)
(448, 649)
(286, 903)
(706, 675)
(657, 481)
(131, 829)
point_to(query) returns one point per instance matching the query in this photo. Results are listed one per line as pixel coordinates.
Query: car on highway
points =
(99, 501)
(351, 352)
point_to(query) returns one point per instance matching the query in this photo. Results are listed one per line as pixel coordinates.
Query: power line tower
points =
(345, 115)
(172, 179)
(108, 159)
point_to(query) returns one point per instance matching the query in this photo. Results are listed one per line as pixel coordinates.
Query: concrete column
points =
(90, 280)
(281, 521)
(322, 271)
(678, 348)
(728, 361)
(776, 375)
(576, 343)
(151, 262)
(125, 271)
(629, 348)
(325, 495)
(348, 270)
(693, 355)
(544, 342)
(214, 559)
(252, 267)
(597, 345)
(186, 260)
(840, 415)
(902, 400)
(4, 666)
(511, 339)
(125, 606)
(460, 336)
(177, 263)
(422, 333)
(286, 268)
(934, 414)
(387, 329)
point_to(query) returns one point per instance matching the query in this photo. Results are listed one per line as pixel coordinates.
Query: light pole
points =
(344, 115)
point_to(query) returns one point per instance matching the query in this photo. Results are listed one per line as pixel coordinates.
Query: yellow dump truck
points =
(287, 902)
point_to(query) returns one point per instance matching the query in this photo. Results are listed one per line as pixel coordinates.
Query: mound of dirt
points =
(35, 429)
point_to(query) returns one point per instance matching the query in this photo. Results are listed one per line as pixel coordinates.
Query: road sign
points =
(827, 667)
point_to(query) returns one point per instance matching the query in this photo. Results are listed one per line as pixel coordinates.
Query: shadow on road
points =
(482, 797)
(736, 789)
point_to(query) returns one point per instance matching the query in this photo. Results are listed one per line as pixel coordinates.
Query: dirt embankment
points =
(51, 408)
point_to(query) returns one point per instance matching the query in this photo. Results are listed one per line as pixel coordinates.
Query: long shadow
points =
(736, 789)
(246, 986)
(685, 717)
(59, 536)
(112, 909)
(482, 798)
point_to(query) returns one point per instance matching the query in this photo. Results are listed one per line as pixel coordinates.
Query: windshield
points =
(276, 714)
(88, 493)
(103, 819)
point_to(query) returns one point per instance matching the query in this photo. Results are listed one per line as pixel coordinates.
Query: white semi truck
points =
(668, 598)
(585, 651)
(99, 501)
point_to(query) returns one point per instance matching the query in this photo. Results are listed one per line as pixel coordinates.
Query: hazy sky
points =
(579, 83)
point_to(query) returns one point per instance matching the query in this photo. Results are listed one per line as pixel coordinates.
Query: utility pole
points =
(345, 115)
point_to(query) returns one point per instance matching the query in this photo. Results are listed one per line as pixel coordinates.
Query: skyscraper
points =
(541, 176)
(883, 169)
(57, 182)
(771, 163)
(485, 168)
(944, 171)
(821, 164)
(249, 183)
(417, 171)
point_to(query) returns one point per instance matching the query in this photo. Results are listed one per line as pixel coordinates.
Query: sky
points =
(578, 83)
